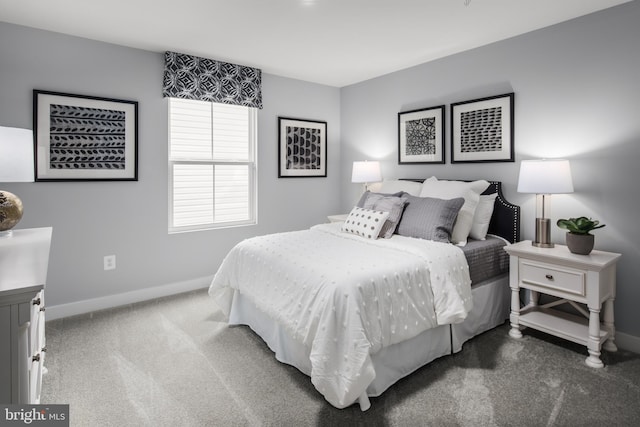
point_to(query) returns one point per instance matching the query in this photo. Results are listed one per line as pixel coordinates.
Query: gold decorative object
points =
(16, 165)
(10, 210)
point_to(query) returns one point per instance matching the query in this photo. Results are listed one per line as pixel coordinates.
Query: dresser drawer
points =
(552, 277)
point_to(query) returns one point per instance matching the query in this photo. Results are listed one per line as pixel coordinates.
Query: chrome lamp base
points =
(543, 233)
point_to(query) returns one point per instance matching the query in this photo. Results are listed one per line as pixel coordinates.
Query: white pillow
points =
(482, 217)
(397, 185)
(447, 190)
(364, 222)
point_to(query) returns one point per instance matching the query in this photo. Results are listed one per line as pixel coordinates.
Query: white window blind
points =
(211, 165)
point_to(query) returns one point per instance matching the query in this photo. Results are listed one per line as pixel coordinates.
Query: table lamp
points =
(16, 165)
(543, 178)
(366, 172)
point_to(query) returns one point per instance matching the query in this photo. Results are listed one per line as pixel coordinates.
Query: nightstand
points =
(337, 218)
(575, 279)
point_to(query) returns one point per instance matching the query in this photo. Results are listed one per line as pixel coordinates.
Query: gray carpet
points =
(171, 362)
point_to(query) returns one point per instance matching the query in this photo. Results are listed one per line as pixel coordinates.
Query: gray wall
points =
(576, 90)
(129, 219)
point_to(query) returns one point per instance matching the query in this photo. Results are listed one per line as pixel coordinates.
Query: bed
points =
(357, 314)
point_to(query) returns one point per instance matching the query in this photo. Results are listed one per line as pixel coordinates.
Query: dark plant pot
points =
(581, 244)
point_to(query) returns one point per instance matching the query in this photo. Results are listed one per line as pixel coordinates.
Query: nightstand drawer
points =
(552, 277)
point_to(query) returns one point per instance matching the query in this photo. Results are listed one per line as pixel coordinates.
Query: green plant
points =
(582, 225)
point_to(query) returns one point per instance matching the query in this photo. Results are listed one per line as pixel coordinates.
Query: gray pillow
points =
(368, 193)
(393, 205)
(429, 218)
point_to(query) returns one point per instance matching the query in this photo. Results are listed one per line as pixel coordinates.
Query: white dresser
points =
(24, 259)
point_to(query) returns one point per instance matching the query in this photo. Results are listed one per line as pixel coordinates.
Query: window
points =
(212, 167)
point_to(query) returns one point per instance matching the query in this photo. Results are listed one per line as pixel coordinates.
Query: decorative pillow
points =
(393, 205)
(368, 193)
(482, 217)
(470, 191)
(365, 222)
(396, 186)
(429, 218)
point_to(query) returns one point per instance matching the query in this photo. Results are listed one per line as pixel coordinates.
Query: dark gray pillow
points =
(393, 205)
(429, 218)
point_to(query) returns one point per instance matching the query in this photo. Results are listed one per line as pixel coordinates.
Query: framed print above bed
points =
(482, 130)
(302, 148)
(421, 135)
(84, 138)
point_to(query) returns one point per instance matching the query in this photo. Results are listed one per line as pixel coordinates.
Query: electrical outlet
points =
(110, 262)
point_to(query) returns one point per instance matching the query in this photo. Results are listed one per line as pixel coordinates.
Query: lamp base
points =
(542, 245)
(543, 233)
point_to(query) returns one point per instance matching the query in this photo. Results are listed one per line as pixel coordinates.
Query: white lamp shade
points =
(16, 155)
(366, 172)
(548, 176)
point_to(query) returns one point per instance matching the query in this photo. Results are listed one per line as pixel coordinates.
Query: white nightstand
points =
(575, 279)
(337, 218)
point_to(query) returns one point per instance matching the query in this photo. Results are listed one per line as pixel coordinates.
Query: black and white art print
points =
(421, 136)
(83, 138)
(302, 149)
(482, 130)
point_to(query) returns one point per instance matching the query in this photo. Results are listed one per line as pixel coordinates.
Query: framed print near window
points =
(421, 135)
(482, 130)
(302, 149)
(84, 138)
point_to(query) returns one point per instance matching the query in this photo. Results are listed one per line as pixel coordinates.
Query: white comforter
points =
(345, 297)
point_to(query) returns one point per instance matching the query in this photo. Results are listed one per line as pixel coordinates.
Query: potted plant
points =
(579, 239)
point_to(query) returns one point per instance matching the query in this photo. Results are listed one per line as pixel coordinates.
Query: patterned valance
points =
(191, 77)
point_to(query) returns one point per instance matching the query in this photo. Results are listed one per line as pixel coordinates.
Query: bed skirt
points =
(491, 305)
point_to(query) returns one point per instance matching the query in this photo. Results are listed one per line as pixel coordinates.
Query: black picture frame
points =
(421, 135)
(84, 138)
(302, 148)
(482, 130)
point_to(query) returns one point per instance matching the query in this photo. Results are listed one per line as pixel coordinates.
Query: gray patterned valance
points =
(191, 77)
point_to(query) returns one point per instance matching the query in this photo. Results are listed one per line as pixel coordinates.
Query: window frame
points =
(251, 163)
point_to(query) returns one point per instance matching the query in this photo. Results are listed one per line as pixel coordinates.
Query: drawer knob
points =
(42, 309)
(36, 358)
(548, 276)
(44, 349)
(36, 301)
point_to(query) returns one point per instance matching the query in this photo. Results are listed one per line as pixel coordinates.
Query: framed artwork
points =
(421, 135)
(482, 130)
(302, 149)
(84, 138)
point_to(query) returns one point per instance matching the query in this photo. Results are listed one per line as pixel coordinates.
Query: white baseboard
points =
(628, 342)
(110, 301)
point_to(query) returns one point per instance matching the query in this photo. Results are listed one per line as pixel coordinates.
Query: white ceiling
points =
(333, 42)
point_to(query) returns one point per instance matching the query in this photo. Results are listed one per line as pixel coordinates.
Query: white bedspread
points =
(345, 297)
